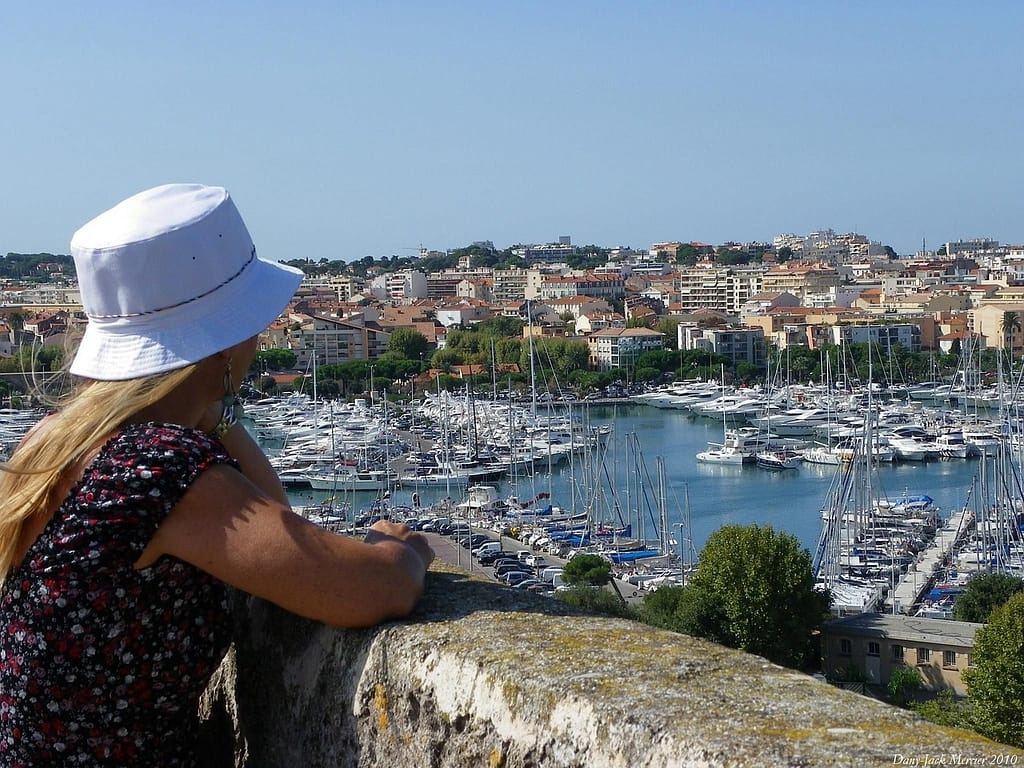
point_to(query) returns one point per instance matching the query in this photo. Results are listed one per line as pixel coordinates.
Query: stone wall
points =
(482, 675)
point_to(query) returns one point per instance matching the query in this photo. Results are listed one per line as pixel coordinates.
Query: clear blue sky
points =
(347, 129)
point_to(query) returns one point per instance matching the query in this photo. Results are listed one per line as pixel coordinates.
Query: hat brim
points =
(117, 349)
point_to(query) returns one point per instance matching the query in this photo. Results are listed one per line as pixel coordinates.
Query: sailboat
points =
(776, 459)
(730, 450)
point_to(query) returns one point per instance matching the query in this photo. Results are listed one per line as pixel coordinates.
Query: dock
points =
(921, 573)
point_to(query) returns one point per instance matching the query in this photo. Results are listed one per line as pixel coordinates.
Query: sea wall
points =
(482, 675)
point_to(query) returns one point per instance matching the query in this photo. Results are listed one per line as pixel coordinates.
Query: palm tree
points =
(1009, 325)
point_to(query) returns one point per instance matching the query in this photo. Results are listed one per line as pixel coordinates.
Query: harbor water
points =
(621, 483)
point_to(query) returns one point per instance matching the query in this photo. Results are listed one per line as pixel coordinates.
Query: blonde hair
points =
(84, 418)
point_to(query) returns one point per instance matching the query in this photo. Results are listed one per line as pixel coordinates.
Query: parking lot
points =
(448, 549)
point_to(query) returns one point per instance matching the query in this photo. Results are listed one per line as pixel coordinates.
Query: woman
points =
(128, 512)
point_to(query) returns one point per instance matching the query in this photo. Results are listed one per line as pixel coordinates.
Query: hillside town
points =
(736, 300)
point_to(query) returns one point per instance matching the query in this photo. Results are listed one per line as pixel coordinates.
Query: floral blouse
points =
(101, 663)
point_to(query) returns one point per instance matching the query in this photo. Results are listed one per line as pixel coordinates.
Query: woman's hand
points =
(385, 530)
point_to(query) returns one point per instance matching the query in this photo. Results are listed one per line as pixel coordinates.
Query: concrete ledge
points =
(483, 675)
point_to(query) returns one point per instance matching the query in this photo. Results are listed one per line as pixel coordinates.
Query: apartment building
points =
(723, 289)
(704, 287)
(799, 279)
(740, 345)
(907, 336)
(403, 285)
(509, 285)
(481, 289)
(549, 252)
(578, 305)
(598, 286)
(974, 247)
(875, 644)
(619, 347)
(334, 340)
(992, 320)
(465, 312)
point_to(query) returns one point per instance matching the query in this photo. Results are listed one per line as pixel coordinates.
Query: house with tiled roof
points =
(762, 303)
(463, 312)
(589, 322)
(577, 305)
(481, 288)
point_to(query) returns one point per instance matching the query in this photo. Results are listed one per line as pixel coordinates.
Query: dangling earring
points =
(230, 407)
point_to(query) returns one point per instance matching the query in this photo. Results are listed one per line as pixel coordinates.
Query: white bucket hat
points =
(168, 277)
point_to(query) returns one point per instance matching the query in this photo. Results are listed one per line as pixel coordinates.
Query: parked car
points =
(506, 561)
(534, 561)
(490, 557)
(526, 584)
(512, 578)
(548, 574)
(501, 570)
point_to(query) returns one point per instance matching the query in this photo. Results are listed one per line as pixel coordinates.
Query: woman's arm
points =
(254, 463)
(244, 449)
(228, 527)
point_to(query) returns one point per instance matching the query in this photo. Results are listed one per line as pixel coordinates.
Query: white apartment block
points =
(509, 285)
(724, 289)
(895, 285)
(550, 252)
(974, 247)
(907, 336)
(740, 345)
(619, 347)
(406, 285)
(704, 288)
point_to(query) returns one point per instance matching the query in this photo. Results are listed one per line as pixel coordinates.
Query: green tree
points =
(686, 255)
(1009, 325)
(501, 326)
(995, 683)
(556, 356)
(592, 571)
(407, 343)
(903, 682)
(444, 359)
(599, 600)
(659, 607)
(16, 320)
(700, 613)
(670, 327)
(747, 372)
(762, 581)
(985, 592)
(587, 570)
(946, 709)
(273, 360)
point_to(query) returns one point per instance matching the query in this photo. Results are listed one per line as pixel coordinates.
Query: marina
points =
(644, 483)
(633, 481)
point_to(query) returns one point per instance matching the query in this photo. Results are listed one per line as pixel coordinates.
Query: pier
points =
(921, 573)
